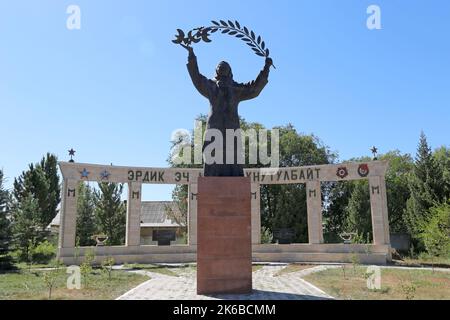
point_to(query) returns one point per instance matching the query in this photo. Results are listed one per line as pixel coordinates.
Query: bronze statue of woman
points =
(224, 95)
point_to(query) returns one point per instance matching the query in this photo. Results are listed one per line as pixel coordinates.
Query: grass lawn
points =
(25, 285)
(26, 266)
(440, 262)
(396, 284)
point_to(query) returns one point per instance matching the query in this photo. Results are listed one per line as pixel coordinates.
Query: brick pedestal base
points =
(224, 250)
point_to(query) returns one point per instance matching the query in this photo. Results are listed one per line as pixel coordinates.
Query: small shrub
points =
(51, 276)
(382, 290)
(76, 251)
(409, 290)
(436, 231)
(358, 238)
(368, 274)
(266, 235)
(107, 266)
(86, 266)
(343, 271)
(43, 253)
(354, 258)
(89, 256)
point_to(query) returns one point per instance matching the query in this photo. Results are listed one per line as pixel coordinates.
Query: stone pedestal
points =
(224, 249)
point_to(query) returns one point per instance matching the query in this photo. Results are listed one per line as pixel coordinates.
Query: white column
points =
(378, 205)
(314, 208)
(68, 215)
(192, 214)
(256, 213)
(133, 229)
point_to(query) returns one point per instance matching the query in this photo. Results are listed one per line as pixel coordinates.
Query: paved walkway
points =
(266, 286)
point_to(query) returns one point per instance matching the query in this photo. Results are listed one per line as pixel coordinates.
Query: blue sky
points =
(116, 89)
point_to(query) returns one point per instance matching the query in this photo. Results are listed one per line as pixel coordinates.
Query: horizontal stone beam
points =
(293, 175)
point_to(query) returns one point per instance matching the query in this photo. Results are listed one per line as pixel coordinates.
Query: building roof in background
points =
(153, 214)
(56, 220)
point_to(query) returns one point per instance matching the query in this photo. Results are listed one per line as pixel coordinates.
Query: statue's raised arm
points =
(200, 82)
(252, 89)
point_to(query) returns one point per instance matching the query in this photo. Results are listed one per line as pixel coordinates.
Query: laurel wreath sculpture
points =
(231, 28)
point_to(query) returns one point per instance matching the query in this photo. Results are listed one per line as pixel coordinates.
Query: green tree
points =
(425, 183)
(284, 206)
(40, 181)
(336, 201)
(180, 197)
(26, 227)
(442, 158)
(43, 252)
(110, 212)
(86, 224)
(49, 165)
(5, 226)
(180, 192)
(359, 217)
(347, 208)
(107, 266)
(436, 231)
(397, 188)
(32, 184)
(347, 203)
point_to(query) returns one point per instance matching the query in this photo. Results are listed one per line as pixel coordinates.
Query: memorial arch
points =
(312, 176)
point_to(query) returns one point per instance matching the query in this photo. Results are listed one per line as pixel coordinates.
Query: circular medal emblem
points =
(363, 170)
(342, 172)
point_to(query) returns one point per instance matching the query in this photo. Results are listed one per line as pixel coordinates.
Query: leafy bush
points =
(51, 276)
(107, 266)
(360, 238)
(86, 266)
(266, 235)
(409, 290)
(436, 231)
(44, 252)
